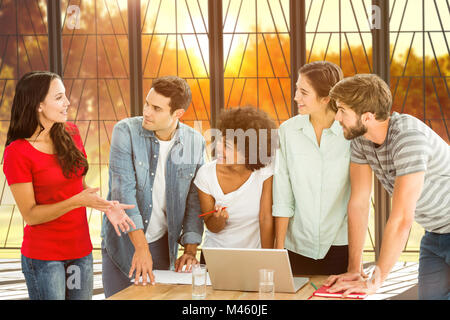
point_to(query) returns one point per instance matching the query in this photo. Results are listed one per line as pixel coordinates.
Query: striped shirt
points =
(411, 146)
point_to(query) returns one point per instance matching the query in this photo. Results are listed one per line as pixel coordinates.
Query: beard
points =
(356, 131)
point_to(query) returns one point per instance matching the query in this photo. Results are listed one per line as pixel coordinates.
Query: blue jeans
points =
(434, 267)
(115, 280)
(59, 280)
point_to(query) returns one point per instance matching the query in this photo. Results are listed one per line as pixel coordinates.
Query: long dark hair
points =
(31, 90)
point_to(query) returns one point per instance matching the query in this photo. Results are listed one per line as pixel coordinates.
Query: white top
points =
(157, 226)
(242, 227)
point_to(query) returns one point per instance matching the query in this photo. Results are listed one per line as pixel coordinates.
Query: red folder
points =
(322, 292)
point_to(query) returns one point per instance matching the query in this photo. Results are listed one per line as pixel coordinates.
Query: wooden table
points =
(184, 292)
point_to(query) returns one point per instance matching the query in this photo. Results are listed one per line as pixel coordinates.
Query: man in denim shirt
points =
(153, 161)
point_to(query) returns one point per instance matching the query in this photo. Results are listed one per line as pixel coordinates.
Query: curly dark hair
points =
(241, 122)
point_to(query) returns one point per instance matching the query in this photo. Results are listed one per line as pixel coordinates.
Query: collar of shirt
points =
(304, 122)
(178, 136)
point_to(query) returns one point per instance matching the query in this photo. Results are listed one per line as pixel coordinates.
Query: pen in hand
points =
(209, 212)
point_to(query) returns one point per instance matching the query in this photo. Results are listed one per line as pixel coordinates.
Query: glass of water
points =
(199, 275)
(266, 284)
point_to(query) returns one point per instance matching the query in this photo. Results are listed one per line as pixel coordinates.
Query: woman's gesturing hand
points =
(113, 209)
(89, 198)
(118, 217)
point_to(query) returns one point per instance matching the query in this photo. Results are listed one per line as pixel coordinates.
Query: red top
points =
(66, 237)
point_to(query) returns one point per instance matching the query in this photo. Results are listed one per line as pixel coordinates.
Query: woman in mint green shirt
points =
(311, 186)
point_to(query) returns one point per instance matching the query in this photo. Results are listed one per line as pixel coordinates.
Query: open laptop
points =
(238, 269)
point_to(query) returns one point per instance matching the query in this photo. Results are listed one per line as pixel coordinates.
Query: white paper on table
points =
(172, 277)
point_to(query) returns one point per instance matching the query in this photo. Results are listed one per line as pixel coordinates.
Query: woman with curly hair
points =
(238, 184)
(45, 166)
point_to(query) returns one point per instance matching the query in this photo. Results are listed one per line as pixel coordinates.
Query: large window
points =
(23, 48)
(96, 77)
(419, 58)
(256, 56)
(175, 42)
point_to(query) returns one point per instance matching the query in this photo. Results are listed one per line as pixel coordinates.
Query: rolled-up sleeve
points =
(283, 198)
(122, 174)
(192, 224)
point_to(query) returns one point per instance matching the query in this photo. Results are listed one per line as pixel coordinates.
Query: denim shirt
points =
(133, 161)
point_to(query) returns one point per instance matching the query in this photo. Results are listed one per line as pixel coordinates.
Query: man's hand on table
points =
(354, 282)
(348, 276)
(187, 259)
(143, 264)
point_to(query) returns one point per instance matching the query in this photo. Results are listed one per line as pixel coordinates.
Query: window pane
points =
(96, 76)
(23, 48)
(175, 42)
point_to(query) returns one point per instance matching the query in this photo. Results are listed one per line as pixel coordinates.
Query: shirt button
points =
(154, 156)
(146, 221)
(153, 174)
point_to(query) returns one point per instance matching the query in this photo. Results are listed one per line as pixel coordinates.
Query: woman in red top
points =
(45, 165)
